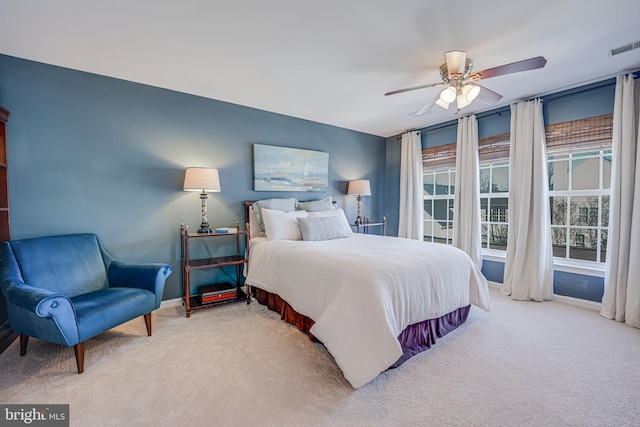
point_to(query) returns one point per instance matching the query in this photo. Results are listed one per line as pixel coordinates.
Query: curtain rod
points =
(576, 90)
(399, 137)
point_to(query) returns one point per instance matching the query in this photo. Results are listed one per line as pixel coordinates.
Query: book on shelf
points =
(219, 297)
(226, 230)
(211, 293)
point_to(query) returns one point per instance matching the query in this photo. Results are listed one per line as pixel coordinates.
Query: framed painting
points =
(289, 169)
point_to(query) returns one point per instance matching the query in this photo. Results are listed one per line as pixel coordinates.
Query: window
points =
(498, 214)
(439, 163)
(579, 189)
(583, 214)
(439, 191)
(579, 171)
(494, 205)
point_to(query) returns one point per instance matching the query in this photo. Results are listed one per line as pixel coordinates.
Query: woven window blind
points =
(440, 157)
(593, 133)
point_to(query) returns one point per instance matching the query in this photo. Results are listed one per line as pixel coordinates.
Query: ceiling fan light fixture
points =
(462, 101)
(456, 61)
(448, 95)
(443, 104)
(470, 91)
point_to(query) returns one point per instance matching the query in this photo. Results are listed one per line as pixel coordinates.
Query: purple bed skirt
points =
(414, 339)
(421, 336)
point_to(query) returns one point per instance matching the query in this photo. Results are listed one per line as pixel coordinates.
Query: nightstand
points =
(365, 227)
(219, 293)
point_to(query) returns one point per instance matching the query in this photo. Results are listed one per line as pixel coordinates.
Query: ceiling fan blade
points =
(393, 92)
(488, 96)
(427, 108)
(514, 67)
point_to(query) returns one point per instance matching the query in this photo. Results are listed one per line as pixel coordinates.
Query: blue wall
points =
(564, 283)
(588, 101)
(89, 153)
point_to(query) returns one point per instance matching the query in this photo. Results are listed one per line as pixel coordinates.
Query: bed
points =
(372, 301)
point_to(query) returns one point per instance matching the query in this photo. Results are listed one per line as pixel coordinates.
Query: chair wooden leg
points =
(147, 321)
(24, 340)
(79, 351)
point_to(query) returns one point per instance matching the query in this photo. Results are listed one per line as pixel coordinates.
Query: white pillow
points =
(322, 228)
(337, 213)
(285, 205)
(280, 225)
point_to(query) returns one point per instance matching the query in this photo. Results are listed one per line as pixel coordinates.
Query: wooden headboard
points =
(247, 206)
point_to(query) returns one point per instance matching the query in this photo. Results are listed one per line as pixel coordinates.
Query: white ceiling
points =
(327, 61)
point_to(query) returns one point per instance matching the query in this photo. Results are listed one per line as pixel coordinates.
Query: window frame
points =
(449, 197)
(568, 194)
(491, 220)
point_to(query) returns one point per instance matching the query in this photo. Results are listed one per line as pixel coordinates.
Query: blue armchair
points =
(68, 289)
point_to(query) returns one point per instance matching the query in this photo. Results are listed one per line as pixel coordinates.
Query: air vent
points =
(627, 47)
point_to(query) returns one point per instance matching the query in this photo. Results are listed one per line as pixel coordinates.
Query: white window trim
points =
(587, 268)
(494, 255)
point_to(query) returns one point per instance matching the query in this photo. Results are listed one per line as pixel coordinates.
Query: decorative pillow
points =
(282, 225)
(322, 228)
(254, 227)
(317, 205)
(339, 213)
(284, 205)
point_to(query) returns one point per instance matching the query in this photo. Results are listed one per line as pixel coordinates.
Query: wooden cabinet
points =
(6, 334)
(211, 295)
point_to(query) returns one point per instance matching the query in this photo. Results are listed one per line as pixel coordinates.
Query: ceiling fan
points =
(461, 82)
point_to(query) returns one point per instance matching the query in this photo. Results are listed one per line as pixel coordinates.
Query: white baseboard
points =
(591, 305)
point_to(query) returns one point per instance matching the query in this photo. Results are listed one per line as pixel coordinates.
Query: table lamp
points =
(360, 187)
(207, 181)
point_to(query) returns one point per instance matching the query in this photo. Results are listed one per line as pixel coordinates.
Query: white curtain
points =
(621, 299)
(528, 271)
(466, 207)
(411, 221)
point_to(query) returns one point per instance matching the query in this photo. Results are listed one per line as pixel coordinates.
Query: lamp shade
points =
(448, 94)
(443, 104)
(470, 91)
(361, 187)
(201, 179)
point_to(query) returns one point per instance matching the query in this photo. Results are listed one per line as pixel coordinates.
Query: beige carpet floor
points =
(522, 364)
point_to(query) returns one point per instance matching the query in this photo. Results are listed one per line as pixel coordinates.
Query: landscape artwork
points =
(289, 169)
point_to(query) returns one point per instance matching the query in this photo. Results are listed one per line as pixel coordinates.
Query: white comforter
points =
(363, 290)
